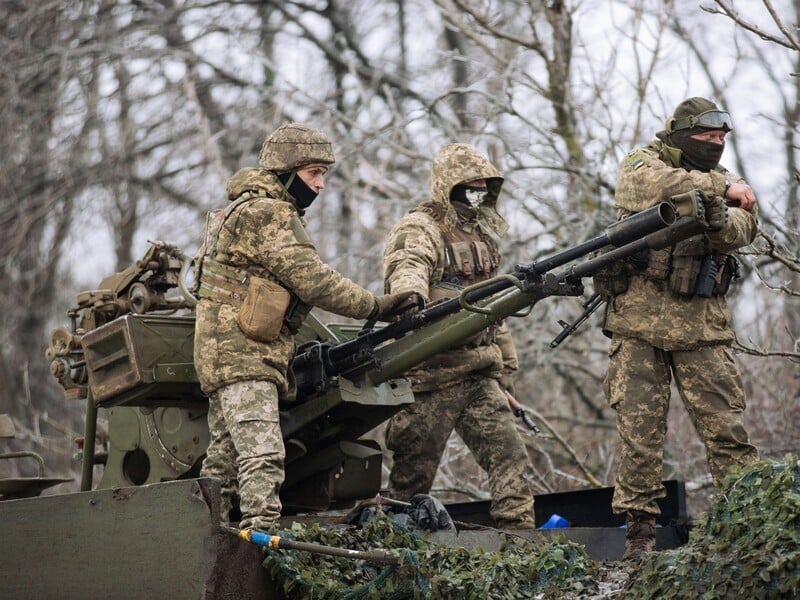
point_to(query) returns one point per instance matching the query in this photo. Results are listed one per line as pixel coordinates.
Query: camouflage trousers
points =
(478, 410)
(246, 444)
(637, 386)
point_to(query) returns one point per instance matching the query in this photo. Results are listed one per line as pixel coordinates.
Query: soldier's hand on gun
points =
(689, 204)
(711, 209)
(410, 305)
(390, 307)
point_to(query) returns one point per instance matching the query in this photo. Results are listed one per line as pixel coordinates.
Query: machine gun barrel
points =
(617, 234)
(476, 308)
(684, 228)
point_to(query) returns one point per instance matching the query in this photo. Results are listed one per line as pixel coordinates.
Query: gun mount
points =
(129, 352)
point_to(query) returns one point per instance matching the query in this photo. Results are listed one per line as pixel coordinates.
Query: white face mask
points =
(475, 196)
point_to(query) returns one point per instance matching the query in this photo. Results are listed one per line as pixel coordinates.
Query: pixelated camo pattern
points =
(648, 310)
(638, 384)
(266, 235)
(414, 258)
(478, 410)
(295, 145)
(246, 452)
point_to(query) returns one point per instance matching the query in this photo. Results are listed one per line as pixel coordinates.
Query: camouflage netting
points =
(519, 569)
(746, 546)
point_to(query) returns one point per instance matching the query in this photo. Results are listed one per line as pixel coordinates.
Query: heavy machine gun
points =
(480, 305)
(129, 353)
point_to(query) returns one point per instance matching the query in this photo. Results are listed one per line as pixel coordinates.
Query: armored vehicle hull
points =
(163, 540)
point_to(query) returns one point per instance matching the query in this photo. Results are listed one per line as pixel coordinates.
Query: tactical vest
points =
(470, 257)
(689, 268)
(227, 283)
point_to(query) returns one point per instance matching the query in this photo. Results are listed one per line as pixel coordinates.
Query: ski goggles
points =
(710, 119)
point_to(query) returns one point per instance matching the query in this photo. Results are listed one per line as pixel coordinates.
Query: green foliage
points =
(746, 546)
(519, 569)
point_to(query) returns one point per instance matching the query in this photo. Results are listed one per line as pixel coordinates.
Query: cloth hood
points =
(456, 164)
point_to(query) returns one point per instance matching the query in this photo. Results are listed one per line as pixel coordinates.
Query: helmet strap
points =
(298, 191)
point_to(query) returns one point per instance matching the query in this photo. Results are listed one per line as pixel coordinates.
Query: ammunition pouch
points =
(261, 314)
(658, 264)
(728, 271)
(263, 304)
(471, 259)
(463, 261)
(614, 279)
(687, 261)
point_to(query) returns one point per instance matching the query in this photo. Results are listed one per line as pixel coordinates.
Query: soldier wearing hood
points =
(451, 240)
(258, 276)
(669, 319)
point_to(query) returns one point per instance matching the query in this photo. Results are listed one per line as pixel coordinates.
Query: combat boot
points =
(641, 534)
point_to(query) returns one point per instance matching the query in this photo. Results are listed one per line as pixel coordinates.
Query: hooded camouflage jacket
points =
(648, 310)
(264, 236)
(415, 260)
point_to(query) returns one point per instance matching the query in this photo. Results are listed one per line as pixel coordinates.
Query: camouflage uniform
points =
(458, 389)
(658, 334)
(261, 235)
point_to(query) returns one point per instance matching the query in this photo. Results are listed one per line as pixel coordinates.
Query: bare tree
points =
(36, 215)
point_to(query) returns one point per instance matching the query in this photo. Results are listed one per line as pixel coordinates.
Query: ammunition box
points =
(142, 360)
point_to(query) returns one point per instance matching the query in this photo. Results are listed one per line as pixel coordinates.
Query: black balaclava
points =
(696, 154)
(468, 197)
(297, 188)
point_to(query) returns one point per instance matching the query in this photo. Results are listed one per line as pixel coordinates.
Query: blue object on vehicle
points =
(555, 522)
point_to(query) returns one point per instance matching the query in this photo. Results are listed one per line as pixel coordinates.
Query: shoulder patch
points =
(637, 158)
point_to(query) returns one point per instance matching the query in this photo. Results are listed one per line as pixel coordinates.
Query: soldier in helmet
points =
(450, 239)
(672, 321)
(258, 276)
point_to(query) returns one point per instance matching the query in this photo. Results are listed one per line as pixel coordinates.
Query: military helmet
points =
(698, 114)
(295, 145)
